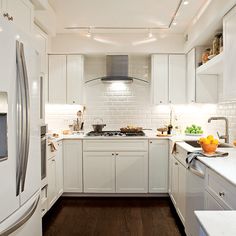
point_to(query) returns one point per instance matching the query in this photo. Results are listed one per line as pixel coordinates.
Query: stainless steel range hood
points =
(117, 68)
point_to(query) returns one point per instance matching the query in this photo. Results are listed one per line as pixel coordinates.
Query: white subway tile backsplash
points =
(129, 104)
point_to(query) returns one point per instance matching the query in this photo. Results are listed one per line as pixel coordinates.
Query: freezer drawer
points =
(25, 221)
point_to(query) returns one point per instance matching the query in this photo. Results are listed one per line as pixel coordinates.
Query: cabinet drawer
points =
(180, 154)
(223, 191)
(115, 145)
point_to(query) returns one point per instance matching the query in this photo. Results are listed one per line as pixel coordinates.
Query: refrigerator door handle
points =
(27, 118)
(20, 117)
(17, 224)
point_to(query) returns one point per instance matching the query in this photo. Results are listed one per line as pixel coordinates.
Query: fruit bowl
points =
(209, 144)
(209, 148)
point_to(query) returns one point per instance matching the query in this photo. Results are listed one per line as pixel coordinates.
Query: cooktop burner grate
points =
(114, 133)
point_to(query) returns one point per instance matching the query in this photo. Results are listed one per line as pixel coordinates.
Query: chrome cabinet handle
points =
(22, 220)
(222, 194)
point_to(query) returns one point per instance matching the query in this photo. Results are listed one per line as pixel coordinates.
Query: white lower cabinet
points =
(178, 187)
(72, 160)
(52, 185)
(59, 169)
(99, 172)
(158, 166)
(131, 172)
(55, 175)
(211, 204)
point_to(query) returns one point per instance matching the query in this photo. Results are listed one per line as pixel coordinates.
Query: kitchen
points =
(124, 110)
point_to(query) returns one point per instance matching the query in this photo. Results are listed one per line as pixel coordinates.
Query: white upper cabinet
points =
(57, 79)
(75, 75)
(201, 88)
(191, 76)
(66, 74)
(158, 166)
(177, 79)
(168, 79)
(20, 12)
(229, 29)
(160, 79)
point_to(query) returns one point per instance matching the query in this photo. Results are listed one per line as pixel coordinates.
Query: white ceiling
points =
(124, 13)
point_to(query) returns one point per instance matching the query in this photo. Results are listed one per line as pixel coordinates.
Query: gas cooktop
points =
(114, 134)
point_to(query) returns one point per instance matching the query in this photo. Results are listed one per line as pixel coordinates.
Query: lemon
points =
(202, 140)
(207, 141)
(215, 141)
(210, 137)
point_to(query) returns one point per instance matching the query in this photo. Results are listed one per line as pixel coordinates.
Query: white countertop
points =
(217, 223)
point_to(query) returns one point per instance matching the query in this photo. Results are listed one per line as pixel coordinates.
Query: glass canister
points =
(216, 44)
(205, 55)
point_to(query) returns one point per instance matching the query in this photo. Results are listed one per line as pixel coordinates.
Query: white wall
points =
(116, 43)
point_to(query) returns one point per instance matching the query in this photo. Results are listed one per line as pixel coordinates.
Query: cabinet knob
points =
(169, 101)
(10, 18)
(176, 163)
(6, 15)
(222, 194)
(117, 154)
(112, 154)
(160, 101)
(73, 101)
(150, 141)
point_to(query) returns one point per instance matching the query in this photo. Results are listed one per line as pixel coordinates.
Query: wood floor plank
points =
(112, 217)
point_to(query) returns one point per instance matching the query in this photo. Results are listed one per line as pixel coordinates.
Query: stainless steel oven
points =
(43, 152)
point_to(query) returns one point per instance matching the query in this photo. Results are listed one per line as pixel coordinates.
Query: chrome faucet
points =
(226, 135)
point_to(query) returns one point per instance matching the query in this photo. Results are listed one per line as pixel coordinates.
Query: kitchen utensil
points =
(131, 129)
(98, 127)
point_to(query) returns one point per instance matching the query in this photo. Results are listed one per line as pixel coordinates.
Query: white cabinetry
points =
(158, 166)
(52, 185)
(55, 175)
(201, 88)
(177, 79)
(75, 75)
(57, 79)
(229, 29)
(99, 172)
(20, 12)
(191, 76)
(59, 169)
(131, 172)
(178, 187)
(72, 150)
(168, 79)
(66, 79)
(119, 166)
(160, 79)
(211, 204)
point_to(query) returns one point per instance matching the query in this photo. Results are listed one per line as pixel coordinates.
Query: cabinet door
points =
(52, 186)
(99, 172)
(174, 180)
(72, 150)
(59, 169)
(132, 172)
(159, 81)
(75, 77)
(211, 204)
(191, 76)
(181, 198)
(57, 79)
(158, 166)
(229, 29)
(22, 12)
(177, 79)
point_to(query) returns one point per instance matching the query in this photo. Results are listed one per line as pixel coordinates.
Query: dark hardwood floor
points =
(112, 217)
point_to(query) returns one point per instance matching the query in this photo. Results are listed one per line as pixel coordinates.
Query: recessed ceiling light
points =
(174, 23)
(186, 2)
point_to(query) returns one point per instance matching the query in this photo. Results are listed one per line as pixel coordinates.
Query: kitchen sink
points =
(195, 144)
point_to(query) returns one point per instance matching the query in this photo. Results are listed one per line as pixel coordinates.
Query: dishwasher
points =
(194, 196)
